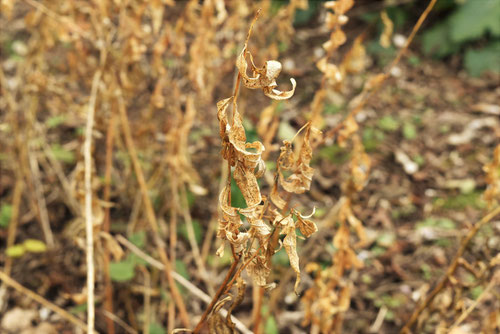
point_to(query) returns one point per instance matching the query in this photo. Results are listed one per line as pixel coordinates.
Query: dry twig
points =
(89, 225)
(39, 299)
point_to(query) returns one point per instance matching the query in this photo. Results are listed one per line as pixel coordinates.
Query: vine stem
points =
(219, 293)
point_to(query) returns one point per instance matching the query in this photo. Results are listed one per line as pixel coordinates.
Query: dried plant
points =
(255, 242)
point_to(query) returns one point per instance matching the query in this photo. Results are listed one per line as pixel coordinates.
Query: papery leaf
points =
(290, 244)
(385, 37)
(306, 227)
(258, 226)
(300, 180)
(275, 196)
(349, 126)
(263, 78)
(275, 94)
(258, 270)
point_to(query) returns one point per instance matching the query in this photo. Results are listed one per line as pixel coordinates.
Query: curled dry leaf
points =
(301, 178)
(385, 38)
(331, 71)
(492, 169)
(230, 223)
(306, 227)
(355, 60)
(290, 244)
(264, 77)
(258, 269)
(349, 126)
(360, 164)
(258, 227)
(235, 150)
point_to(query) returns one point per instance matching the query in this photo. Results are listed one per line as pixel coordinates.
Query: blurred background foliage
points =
(468, 29)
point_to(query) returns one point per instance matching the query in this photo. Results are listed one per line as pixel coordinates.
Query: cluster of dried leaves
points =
(329, 297)
(257, 240)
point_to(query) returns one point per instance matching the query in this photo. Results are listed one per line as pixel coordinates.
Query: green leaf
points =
(436, 41)
(486, 59)
(15, 251)
(409, 131)
(55, 121)
(181, 269)
(372, 137)
(388, 123)
(334, 153)
(443, 223)
(271, 327)
(34, 246)
(62, 154)
(138, 238)
(475, 18)
(5, 215)
(121, 271)
(197, 231)
(286, 131)
(237, 199)
(132, 258)
(156, 328)
(475, 292)
(78, 309)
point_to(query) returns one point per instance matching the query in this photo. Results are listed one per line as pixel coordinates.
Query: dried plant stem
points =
(39, 299)
(40, 199)
(147, 298)
(257, 313)
(119, 321)
(192, 239)
(108, 288)
(451, 268)
(57, 169)
(14, 219)
(89, 226)
(150, 212)
(219, 293)
(366, 98)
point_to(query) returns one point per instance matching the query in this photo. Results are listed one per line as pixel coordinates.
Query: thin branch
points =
(108, 288)
(14, 218)
(39, 299)
(89, 226)
(119, 321)
(40, 199)
(219, 293)
(494, 281)
(451, 269)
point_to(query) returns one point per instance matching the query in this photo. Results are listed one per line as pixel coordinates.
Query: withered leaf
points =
(258, 270)
(306, 227)
(290, 244)
(385, 38)
(263, 78)
(300, 180)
